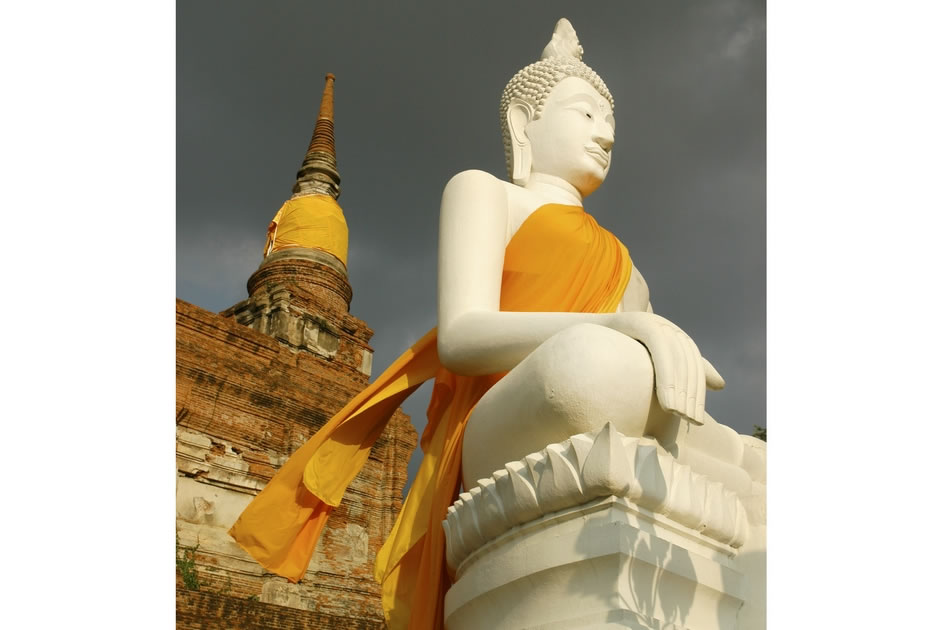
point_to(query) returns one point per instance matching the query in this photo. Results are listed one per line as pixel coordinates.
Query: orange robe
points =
(560, 260)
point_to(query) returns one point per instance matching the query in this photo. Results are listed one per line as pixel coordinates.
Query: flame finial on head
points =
(564, 42)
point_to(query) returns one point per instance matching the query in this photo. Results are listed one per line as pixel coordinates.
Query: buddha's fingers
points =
(661, 351)
(700, 391)
(682, 374)
(693, 374)
(713, 379)
(675, 361)
(680, 368)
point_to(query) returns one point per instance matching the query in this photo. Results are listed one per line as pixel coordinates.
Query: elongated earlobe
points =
(519, 114)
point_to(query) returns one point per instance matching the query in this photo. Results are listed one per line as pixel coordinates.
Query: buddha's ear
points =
(517, 117)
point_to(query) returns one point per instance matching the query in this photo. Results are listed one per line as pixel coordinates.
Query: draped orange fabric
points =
(560, 260)
(312, 221)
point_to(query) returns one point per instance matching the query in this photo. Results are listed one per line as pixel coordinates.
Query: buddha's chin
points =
(584, 180)
(589, 182)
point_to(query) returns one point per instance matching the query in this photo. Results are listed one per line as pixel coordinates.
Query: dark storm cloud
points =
(416, 100)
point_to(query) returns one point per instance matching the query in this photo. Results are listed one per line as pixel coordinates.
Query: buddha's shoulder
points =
(477, 191)
(475, 179)
(486, 181)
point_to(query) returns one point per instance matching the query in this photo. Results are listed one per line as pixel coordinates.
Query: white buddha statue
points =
(568, 372)
(545, 331)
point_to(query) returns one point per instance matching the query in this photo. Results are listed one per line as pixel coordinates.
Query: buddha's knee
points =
(592, 375)
(576, 381)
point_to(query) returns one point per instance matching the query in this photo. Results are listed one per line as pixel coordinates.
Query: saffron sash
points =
(560, 260)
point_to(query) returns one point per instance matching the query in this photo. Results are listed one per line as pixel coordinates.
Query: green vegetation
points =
(760, 432)
(187, 568)
(187, 565)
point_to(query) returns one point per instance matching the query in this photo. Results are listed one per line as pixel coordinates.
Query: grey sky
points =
(416, 101)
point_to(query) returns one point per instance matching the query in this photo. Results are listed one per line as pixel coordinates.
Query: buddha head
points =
(557, 117)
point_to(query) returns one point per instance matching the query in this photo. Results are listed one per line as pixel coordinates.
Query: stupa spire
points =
(319, 172)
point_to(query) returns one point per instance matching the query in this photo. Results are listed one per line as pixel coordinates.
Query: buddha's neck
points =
(554, 189)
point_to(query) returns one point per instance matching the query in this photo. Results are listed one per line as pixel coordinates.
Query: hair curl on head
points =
(534, 82)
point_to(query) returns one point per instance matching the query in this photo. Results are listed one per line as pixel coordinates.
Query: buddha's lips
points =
(598, 154)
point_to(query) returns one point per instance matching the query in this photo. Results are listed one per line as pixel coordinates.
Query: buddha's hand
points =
(682, 374)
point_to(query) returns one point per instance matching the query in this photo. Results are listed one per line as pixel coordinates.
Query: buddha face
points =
(573, 137)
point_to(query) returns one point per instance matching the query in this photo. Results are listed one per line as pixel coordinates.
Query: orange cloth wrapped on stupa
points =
(313, 221)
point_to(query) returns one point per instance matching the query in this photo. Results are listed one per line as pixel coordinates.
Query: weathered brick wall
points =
(200, 610)
(245, 402)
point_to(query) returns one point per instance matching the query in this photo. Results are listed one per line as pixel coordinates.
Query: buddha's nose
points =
(604, 136)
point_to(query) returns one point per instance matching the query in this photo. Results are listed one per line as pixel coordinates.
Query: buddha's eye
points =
(588, 114)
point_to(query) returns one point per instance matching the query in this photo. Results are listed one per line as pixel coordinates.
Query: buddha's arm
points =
(474, 337)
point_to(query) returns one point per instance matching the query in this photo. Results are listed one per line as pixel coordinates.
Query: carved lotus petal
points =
(453, 537)
(650, 476)
(668, 468)
(534, 461)
(558, 482)
(731, 502)
(607, 468)
(741, 525)
(456, 548)
(517, 493)
(472, 537)
(714, 514)
(581, 444)
(491, 515)
(687, 496)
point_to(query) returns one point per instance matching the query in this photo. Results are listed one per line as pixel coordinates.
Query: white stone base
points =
(605, 564)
